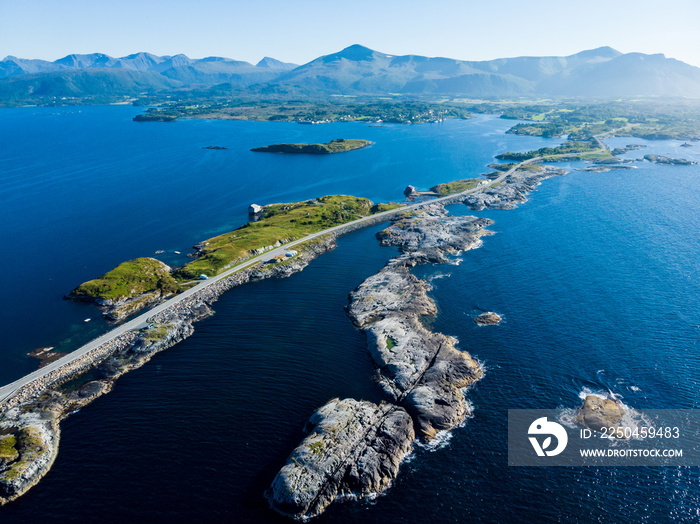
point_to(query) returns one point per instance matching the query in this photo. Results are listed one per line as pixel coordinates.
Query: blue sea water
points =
(596, 277)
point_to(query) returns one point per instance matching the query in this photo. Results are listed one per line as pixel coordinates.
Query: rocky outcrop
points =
(488, 319)
(512, 191)
(417, 368)
(598, 413)
(656, 159)
(354, 447)
(117, 311)
(629, 147)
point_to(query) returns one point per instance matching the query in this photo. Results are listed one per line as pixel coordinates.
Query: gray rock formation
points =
(598, 413)
(488, 318)
(354, 447)
(513, 189)
(656, 159)
(417, 368)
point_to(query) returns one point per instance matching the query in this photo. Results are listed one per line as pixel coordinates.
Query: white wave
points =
(440, 441)
(439, 275)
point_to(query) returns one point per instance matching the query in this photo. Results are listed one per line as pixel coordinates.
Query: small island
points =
(657, 159)
(339, 145)
(154, 117)
(488, 319)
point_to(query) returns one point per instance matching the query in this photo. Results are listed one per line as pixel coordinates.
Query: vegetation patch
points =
(455, 187)
(279, 223)
(574, 149)
(8, 450)
(22, 449)
(390, 343)
(129, 279)
(317, 447)
(157, 332)
(339, 145)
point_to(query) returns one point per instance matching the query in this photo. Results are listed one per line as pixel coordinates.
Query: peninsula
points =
(339, 145)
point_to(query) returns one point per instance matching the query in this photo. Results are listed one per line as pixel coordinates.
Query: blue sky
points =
(300, 30)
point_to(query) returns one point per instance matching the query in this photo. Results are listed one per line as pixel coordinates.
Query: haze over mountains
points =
(356, 70)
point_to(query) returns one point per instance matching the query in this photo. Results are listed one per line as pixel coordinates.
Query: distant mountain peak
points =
(357, 69)
(356, 52)
(599, 52)
(273, 63)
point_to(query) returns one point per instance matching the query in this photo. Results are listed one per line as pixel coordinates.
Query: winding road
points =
(142, 320)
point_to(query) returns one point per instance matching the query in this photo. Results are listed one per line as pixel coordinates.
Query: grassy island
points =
(155, 117)
(572, 150)
(339, 145)
(128, 279)
(279, 224)
(457, 186)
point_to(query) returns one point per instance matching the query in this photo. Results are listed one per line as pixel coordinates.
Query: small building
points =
(203, 277)
(255, 209)
(291, 253)
(410, 191)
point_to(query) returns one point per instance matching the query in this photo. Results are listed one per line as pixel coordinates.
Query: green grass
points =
(29, 440)
(128, 279)
(339, 145)
(566, 148)
(390, 343)
(8, 451)
(317, 447)
(28, 446)
(455, 187)
(379, 208)
(157, 332)
(280, 222)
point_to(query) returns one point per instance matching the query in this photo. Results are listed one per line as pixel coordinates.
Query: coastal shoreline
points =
(44, 403)
(422, 373)
(41, 405)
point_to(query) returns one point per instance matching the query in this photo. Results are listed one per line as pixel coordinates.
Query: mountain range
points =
(356, 70)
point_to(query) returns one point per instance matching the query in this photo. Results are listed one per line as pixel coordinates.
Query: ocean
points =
(596, 278)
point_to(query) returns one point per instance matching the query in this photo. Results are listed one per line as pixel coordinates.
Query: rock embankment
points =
(512, 190)
(38, 408)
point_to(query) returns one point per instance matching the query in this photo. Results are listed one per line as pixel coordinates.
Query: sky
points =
(300, 30)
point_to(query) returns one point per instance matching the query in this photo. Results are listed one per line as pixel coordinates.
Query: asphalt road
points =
(142, 320)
